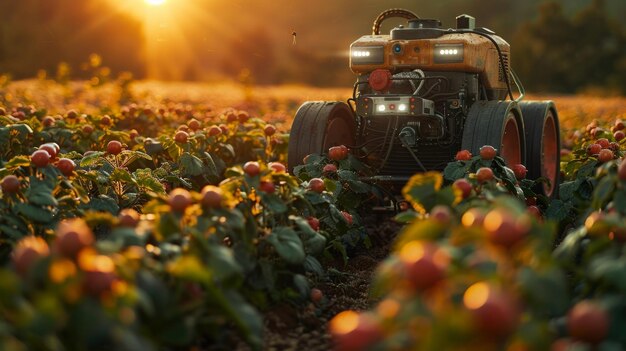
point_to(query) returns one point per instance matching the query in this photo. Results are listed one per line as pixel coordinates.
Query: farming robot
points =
(422, 94)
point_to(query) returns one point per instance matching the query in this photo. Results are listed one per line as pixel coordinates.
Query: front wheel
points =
(317, 126)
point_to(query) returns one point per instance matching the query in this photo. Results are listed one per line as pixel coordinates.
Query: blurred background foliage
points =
(565, 46)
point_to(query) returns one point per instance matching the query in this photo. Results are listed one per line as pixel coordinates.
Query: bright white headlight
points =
(402, 107)
(381, 108)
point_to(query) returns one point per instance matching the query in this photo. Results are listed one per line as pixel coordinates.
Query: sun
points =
(155, 2)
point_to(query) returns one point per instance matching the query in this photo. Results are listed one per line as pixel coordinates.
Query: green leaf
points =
(546, 290)
(559, 210)
(103, 203)
(92, 159)
(190, 268)
(567, 189)
(609, 270)
(223, 263)
(10, 232)
(359, 187)
(42, 199)
(314, 242)
(311, 264)
(603, 193)
(586, 169)
(34, 213)
(18, 161)
(120, 174)
(247, 318)
(287, 244)
(455, 170)
(302, 285)
(191, 165)
(211, 167)
(145, 180)
(273, 203)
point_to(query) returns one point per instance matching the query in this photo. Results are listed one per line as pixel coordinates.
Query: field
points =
(138, 215)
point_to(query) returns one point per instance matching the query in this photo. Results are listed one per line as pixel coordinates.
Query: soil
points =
(346, 287)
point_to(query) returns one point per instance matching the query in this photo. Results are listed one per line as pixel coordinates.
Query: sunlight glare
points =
(155, 2)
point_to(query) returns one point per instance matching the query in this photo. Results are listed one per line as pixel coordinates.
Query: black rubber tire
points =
(485, 125)
(537, 116)
(317, 126)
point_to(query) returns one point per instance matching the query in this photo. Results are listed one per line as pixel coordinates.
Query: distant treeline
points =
(558, 46)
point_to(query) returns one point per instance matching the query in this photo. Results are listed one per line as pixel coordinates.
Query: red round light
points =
(380, 79)
(392, 106)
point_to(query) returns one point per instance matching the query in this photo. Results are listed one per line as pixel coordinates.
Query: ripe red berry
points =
(316, 295)
(619, 135)
(48, 121)
(181, 137)
(621, 170)
(252, 168)
(277, 167)
(314, 223)
(267, 187)
(28, 251)
(194, 124)
(72, 236)
(338, 153)
(52, 151)
(619, 125)
(10, 184)
(269, 130)
(243, 116)
(212, 196)
(593, 149)
(589, 322)
(463, 155)
(87, 129)
(317, 185)
(520, 171)
(66, 166)
(128, 218)
(114, 147)
(214, 131)
(329, 168)
(71, 114)
(603, 142)
(347, 216)
(441, 214)
(106, 120)
(484, 174)
(179, 199)
(464, 186)
(605, 155)
(487, 152)
(40, 158)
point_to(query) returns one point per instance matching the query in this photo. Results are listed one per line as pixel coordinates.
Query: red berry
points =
(243, 116)
(425, 265)
(603, 142)
(605, 155)
(463, 155)
(128, 218)
(231, 117)
(593, 149)
(330, 168)
(194, 124)
(314, 223)
(10, 184)
(354, 331)
(179, 199)
(487, 152)
(267, 187)
(66, 166)
(484, 174)
(534, 211)
(347, 216)
(338, 153)
(73, 235)
(619, 125)
(520, 171)
(40, 158)
(105, 120)
(133, 134)
(316, 295)
(252, 168)
(464, 186)
(212, 196)
(181, 137)
(71, 114)
(441, 214)
(87, 129)
(317, 185)
(48, 121)
(214, 131)
(114, 147)
(52, 151)
(619, 135)
(505, 230)
(28, 251)
(588, 322)
(494, 312)
(269, 130)
(277, 167)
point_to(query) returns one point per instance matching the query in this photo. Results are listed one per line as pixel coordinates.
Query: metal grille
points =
(505, 59)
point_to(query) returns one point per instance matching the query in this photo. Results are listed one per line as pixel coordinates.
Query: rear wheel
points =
(317, 126)
(543, 154)
(499, 124)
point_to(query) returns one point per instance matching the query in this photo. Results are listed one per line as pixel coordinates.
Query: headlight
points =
(448, 53)
(367, 55)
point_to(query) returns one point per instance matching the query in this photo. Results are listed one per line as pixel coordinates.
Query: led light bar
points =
(367, 55)
(395, 106)
(448, 53)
